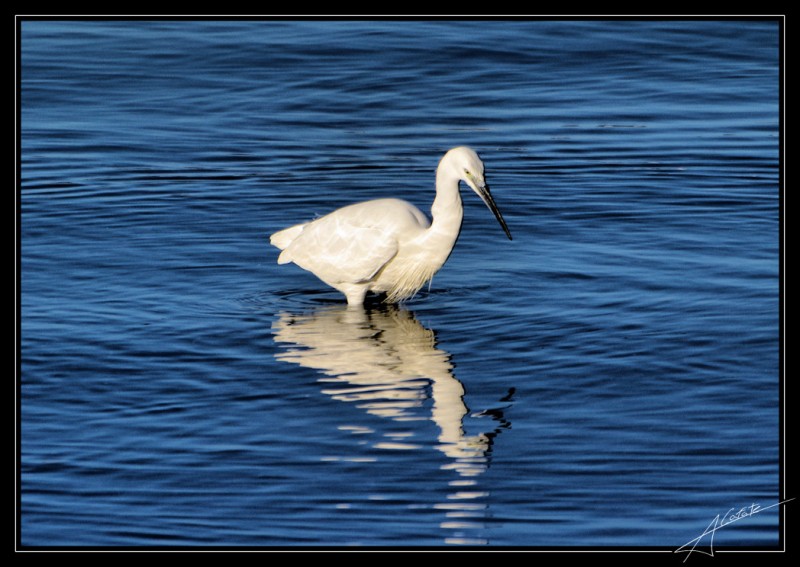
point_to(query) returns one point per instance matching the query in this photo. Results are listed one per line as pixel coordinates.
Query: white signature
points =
(719, 522)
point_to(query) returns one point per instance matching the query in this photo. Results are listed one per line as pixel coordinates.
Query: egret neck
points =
(447, 214)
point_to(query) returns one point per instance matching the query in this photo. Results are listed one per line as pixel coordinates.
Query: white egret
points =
(387, 245)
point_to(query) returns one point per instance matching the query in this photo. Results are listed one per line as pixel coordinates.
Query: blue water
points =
(608, 378)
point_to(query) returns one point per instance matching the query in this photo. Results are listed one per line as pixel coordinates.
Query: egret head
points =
(469, 168)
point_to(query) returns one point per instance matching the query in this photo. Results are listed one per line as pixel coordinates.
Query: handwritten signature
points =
(719, 522)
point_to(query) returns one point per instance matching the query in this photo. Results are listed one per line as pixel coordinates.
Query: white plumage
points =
(387, 245)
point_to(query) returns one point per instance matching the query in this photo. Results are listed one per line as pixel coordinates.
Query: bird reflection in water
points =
(387, 364)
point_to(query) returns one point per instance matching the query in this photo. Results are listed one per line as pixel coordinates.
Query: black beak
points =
(486, 195)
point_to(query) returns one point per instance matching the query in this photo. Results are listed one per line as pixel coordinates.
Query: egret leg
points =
(355, 293)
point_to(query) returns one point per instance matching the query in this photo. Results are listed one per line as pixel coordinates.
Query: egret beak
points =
(483, 192)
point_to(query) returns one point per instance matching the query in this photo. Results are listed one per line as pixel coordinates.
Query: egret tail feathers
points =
(284, 238)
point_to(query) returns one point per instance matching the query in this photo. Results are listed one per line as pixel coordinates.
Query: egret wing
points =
(336, 250)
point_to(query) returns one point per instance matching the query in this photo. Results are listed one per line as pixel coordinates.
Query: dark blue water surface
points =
(608, 378)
